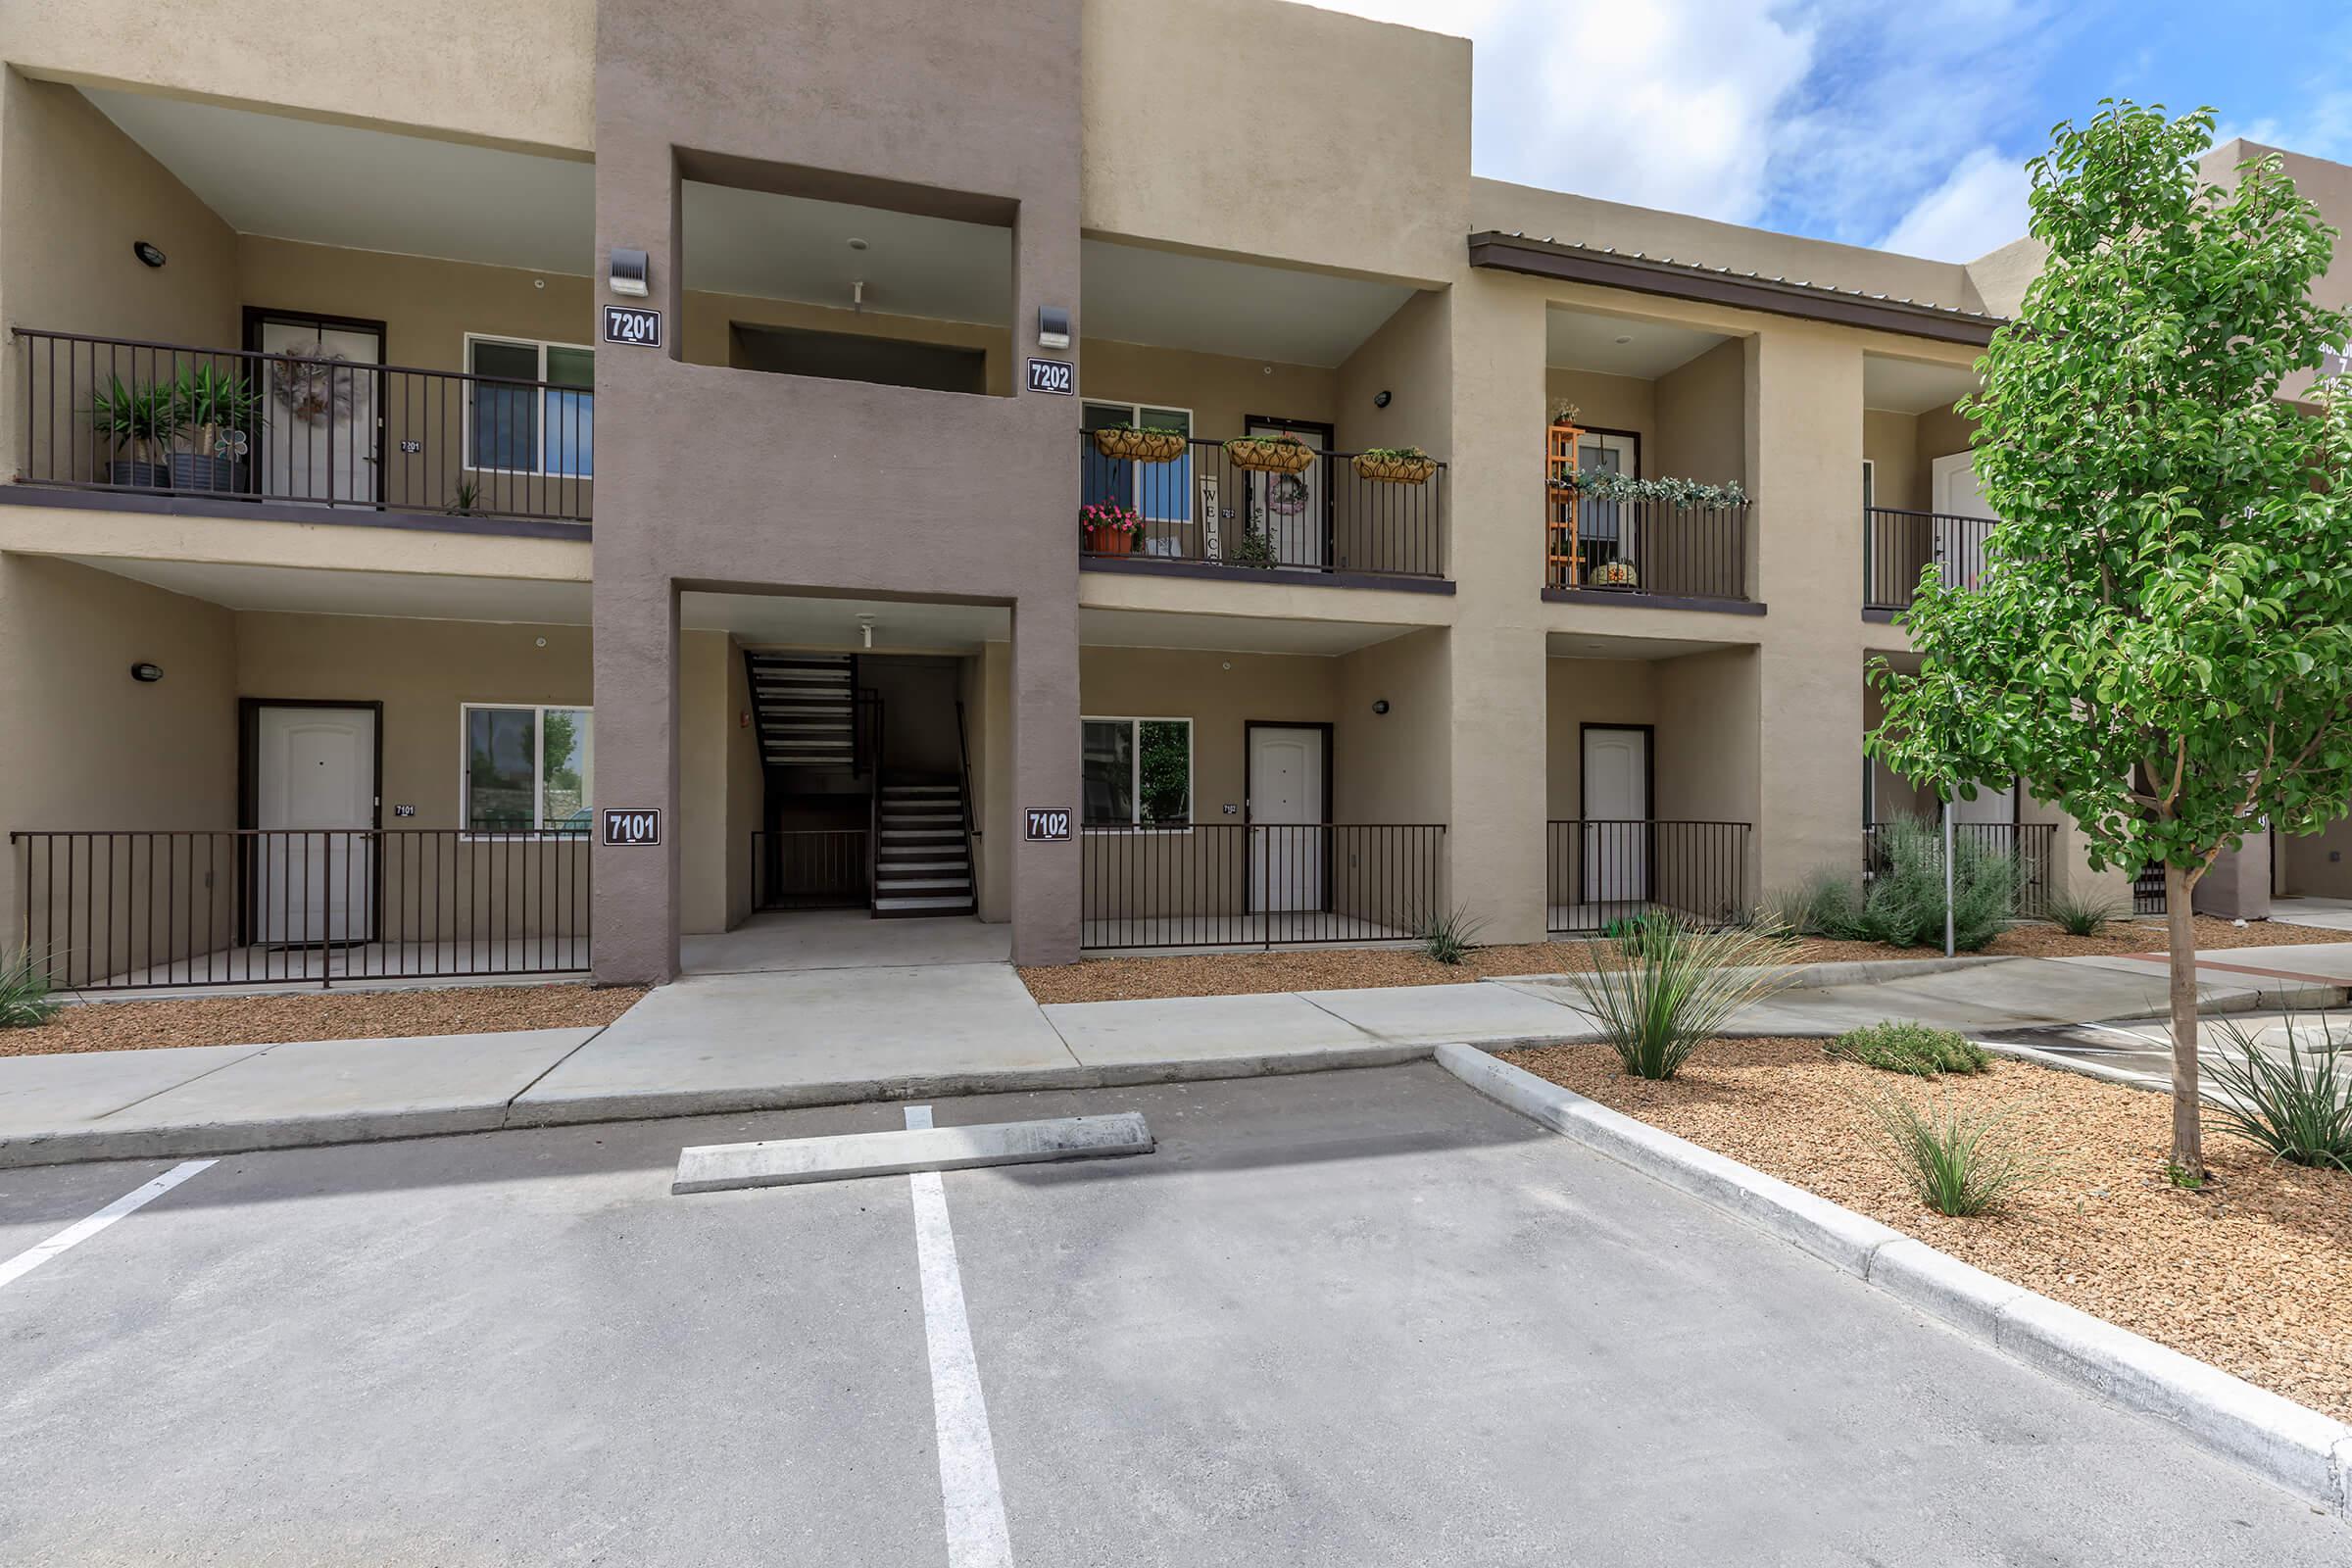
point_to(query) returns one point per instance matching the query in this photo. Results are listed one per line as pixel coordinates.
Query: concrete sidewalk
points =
(754, 1041)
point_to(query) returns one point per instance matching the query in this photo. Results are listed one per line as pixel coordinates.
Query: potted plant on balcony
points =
(213, 409)
(1614, 575)
(1148, 443)
(1270, 454)
(138, 420)
(1394, 465)
(1110, 529)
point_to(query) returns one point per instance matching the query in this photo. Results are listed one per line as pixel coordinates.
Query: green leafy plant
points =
(206, 397)
(1950, 1158)
(1903, 903)
(1254, 549)
(2081, 916)
(1448, 936)
(26, 998)
(2295, 1109)
(140, 417)
(466, 499)
(1254, 443)
(2161, 641)
(1637, 933)
(1395, 454)
(1915, 1049)
(1678, 991)
(1599, 484)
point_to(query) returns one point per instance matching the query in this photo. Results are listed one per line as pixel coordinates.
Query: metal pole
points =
(1948, 876)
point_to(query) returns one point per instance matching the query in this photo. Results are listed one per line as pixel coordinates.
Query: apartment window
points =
(1161, 491)
(1138, 772)
(533, 410)
(527, 768)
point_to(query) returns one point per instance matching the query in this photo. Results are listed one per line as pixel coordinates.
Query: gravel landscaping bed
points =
(2253, 1274)
(318, 1015)
(1234, 974)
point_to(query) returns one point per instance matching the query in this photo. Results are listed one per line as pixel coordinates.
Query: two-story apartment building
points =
(505, 487)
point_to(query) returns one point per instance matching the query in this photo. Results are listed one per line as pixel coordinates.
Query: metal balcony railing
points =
(123, 415)
(1205, 503)
(2028, 845)
(1899, 545)
(1600, 872)
(1648, 546)
(1231, 884)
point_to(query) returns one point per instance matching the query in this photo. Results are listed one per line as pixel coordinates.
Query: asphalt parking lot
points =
(1353, 1318)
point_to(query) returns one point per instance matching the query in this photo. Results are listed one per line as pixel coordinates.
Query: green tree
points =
(2162, 642)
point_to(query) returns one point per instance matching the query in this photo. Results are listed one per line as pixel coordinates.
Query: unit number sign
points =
(1053, 375)
(1049, 825)
(632, 323)
(632, 824)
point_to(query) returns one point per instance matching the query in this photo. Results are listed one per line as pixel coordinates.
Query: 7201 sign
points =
(632, 323)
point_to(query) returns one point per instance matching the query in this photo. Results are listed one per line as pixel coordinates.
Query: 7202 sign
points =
(1053, 375)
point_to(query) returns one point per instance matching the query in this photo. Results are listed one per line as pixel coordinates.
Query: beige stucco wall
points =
(1890, 443)
(1221, 390)
(517, 72)
(1703, 428)
(1619, 403)
(91, 748)
(706, 849)
(1251, 127)
(1589, 691)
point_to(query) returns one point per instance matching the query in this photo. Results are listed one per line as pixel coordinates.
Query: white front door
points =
(319, 412)
(1991, 805)
(1616, 815)
(1287, 830)
(1954, 496)
(1288, 508)
(314, 769)
(1604, 528)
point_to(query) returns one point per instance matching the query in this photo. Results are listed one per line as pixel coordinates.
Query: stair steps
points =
(923, 860)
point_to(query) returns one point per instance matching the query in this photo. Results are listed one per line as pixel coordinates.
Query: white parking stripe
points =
(967, 1455)
(25, 1262)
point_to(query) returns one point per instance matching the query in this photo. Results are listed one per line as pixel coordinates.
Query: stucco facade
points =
(1230, 240)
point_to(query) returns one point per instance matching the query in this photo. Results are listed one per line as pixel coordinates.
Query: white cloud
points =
(1980, 207)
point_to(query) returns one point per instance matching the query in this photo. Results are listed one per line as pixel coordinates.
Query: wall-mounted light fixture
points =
(629, 273)
(1380, 399)
(1381, 706)
(150, 254)
(147, 674)
(865, 624)
(1052, 326)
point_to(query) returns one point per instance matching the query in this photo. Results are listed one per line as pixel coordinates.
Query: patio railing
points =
(1899, 545)
(1637, 546)
(1231, 884)
(1203, 506)
(811, 869)
(128, 416)
(2028, 844)
(141, 909)
(1597, 872)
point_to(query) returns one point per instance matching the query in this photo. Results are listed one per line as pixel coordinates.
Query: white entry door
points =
(1288, 508)
(1993, 803)
(1287, 831)
(319, 412)
(1616, 815)
(314, 769)
(1954, 497)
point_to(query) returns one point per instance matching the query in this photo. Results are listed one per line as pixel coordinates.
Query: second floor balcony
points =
(1270, 502)
(1899, 545)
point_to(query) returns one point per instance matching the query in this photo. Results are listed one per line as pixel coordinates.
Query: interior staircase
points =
(806, 707)
(924, 864)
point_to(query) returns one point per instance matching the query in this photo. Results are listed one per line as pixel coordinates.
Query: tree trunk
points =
(2188, 1134)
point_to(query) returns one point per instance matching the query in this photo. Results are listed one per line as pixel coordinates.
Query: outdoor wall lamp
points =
(628, 272)
(147, 674)
(1052, 327)
(1381, 707)
(1380, 399)
(151, 253)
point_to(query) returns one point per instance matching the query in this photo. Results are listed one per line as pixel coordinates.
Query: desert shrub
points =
(1449, 934)
(1910, 1048)
(24, 992)
(1950, 1158)
(1636, 934)
(2081, 916)
(1903, 903)
(1679, 990)
(2295, 1109)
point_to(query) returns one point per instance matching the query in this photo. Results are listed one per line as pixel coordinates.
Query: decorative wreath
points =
(1286, 494)
(314, 385)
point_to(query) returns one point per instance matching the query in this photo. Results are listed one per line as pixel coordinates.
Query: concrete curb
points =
(2284, 1443)
(1841, 972)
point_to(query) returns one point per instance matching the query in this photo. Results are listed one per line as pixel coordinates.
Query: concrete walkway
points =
(724, 1042)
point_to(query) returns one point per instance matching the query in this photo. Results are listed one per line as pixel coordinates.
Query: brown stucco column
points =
(1045, 774)
(636, 901)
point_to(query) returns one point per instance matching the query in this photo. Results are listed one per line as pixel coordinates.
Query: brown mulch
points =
(1236, 974)
(318, 1015)
(2252, 1274)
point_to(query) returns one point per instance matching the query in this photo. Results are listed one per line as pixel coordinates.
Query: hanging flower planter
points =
(1270, 454)
(1110, 529)
(1141, 444)
(1394, 465)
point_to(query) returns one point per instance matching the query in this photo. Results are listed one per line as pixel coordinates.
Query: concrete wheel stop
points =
(793, 1161)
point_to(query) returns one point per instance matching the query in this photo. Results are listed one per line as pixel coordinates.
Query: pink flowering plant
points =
(1107, 518)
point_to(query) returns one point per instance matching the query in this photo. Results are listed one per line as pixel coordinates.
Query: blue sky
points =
(1873, 122)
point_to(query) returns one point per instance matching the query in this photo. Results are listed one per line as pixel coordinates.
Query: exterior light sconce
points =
(146, 674)
(865, 624)
(149, 254)
(1052, 326)
(1381, 398)
(629, 273)
(1381, 707)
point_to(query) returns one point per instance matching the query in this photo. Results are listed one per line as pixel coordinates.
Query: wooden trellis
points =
(1559, 463)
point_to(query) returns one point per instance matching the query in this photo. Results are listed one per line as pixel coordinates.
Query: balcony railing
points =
(1201, 506)
(1231, 884)
(141, 910)
(1598, 872)
(1899, 545)
(126, 416)
(1648, 546)
(2028, 845)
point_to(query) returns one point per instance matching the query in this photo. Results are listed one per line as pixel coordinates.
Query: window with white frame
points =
(1161, 492)
(532, 408)
(527, 768)
(1137, 772)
